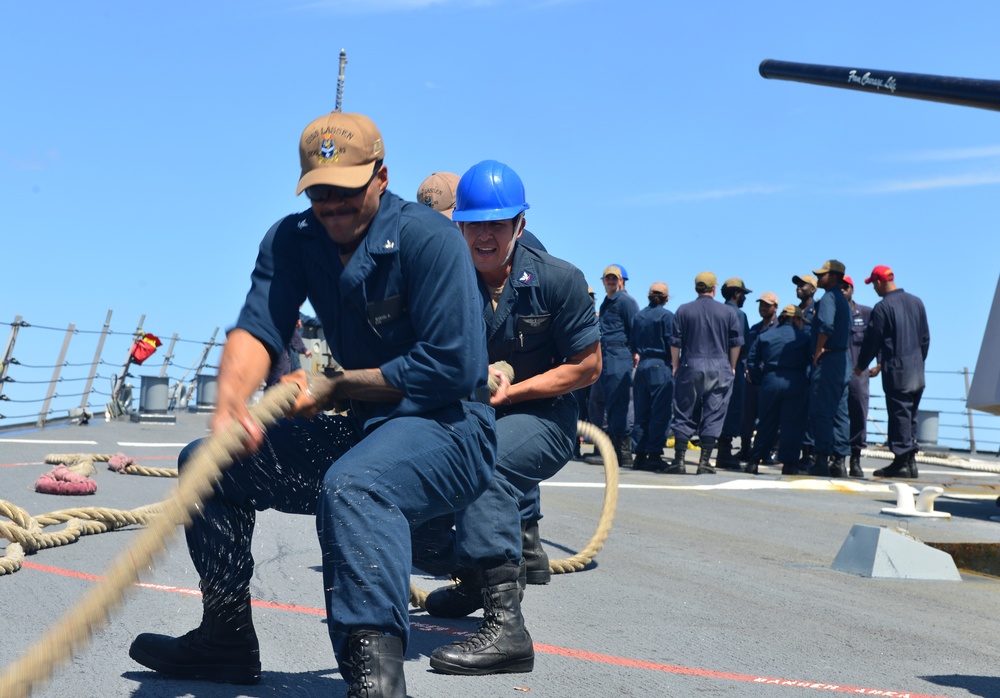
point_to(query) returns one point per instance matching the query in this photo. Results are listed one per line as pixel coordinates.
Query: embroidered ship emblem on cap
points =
(327, 149)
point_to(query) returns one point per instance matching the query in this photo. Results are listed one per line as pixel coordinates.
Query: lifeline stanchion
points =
(575, 563)
(206, 464)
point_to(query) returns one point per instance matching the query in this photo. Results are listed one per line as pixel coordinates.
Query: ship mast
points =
(340, 81)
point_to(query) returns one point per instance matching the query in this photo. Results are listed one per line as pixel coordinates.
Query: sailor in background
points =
(829, 424)
(653, 384)
(767, 308)
(858, 389)
(777, 364)
(704, 349)
(898, 333)
(615, 315)
(734, 293)
(805, 290)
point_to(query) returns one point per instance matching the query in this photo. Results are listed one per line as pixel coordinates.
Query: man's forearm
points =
(368, 385)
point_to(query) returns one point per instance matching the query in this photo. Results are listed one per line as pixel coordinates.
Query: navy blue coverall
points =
(704, 330)
(898, 333)
(858, 389)
(751, 396)
(734, 412)
(777, 363)
(653, 384)
(431, 453)
(829, 423)
(544, 316)
(616, 374)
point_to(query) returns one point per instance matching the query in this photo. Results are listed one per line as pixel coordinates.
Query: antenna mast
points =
(340, 80)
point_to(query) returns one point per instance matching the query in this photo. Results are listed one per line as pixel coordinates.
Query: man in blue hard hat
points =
(539, 319)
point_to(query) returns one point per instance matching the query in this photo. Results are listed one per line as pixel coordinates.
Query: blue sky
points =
(146, 148)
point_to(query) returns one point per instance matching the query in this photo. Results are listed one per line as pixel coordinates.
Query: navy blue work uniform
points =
(544, 316)
(616, 316)
(751, 395)
(734, 412)
(653, 383)
(858, 389)
(829, 424)
(898, 333)
(704, 330)
(370, 477)
(777, 364)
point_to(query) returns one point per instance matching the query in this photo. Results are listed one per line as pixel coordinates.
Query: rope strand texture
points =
(203, 470)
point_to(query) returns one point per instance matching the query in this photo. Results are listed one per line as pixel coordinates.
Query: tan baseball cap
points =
(791, 311)
(339, 149)
(705, 281)
(768, 297)
(613, 270)
(736, 283)
(830, 265)
(805, 279)
(659, 288)
(438, 192)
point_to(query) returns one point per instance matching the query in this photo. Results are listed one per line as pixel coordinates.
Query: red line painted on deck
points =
(543, 648)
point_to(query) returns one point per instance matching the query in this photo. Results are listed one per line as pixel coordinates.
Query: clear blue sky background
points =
(146, 148)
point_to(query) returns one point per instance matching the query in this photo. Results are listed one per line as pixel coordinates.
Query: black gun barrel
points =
(966, 92)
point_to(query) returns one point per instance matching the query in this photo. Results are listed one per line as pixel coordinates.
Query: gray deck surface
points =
(699, 591)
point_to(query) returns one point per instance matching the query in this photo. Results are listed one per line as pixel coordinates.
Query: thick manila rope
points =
(26, 535)
(201, 472)
(575, 563)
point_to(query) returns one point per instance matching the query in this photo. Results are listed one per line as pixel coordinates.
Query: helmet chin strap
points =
(517, 224)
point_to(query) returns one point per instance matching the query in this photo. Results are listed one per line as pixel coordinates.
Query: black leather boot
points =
(807, 460)
(501, 645)
(821, 466)
(855, 470)
(536, 560)
(576, 448)
(654, 463)
(374, 666)
(725, 458)
(458, 600)
(223, 648)
(837, 468)
(751, 467)
(624, 451)
(676, 466)
(911, 460)
(639, 461)
(704, 464)
(899, 467)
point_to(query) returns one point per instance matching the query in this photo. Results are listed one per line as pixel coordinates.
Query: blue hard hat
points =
(489, 191)
(624, 273)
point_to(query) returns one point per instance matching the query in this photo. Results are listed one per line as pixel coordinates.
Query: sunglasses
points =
(324, 192)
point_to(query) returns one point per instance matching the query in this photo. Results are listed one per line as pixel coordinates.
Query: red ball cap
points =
(880, 273)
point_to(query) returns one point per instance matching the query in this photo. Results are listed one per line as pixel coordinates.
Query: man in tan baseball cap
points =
(653, 383)
(734, 293)
(767, 308)
(438, 192)
(704, 350)
(413, 368)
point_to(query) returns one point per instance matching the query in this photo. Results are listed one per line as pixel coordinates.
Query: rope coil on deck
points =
(575, 563)
(202, 471)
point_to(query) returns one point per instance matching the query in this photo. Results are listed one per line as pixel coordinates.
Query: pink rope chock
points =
(120, 462)
(62, 480)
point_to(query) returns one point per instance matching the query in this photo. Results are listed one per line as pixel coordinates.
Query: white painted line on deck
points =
(150, 444)
(46, 441)
(817, 485)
